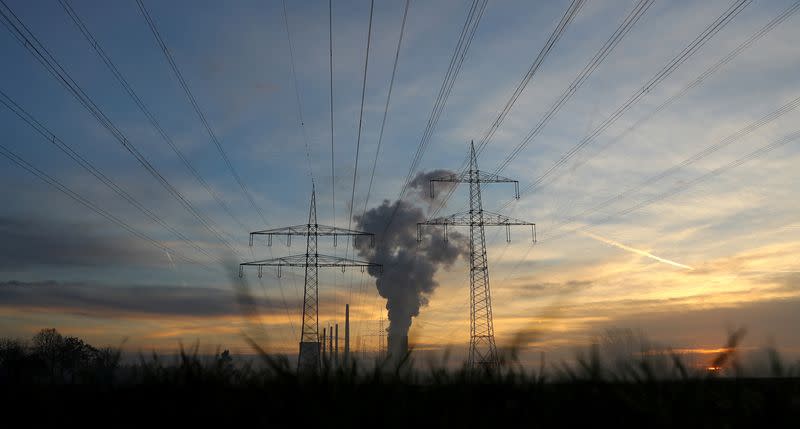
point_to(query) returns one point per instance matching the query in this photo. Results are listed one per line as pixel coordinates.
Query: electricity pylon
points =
(482, 348)
(308, 359)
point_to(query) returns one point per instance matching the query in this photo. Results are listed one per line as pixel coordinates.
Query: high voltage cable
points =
(361, 113)
(785, 14)
(659, 77)
(386, 107)
(176, 70)
(297, 92)
(89, 167)
(456, 61)
(703, 77)
(569, 15)
(566, 19)
(193, 101)
(43, 56)
(305, 139)
(19, 161)
(383, 121)
(702, 154)
(608, 47)
(65, 4)
(358, 138)
(699, 80)
(793, 137)
(330, 69)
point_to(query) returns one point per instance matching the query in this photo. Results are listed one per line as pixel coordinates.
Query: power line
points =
(305, 138)
(89, 167)
(608, 47)
(383, 125)
(65, 4)
(386, 107)
(790, 138)
(568, 16)
(702, 154)
(29, 41)
(174, 66)
(566, 19)
(297, 92)
(785, 14)
(659, 77)
(702, 78)
(358, 138)
(330, 68)
(19, 161)
(456, 61)
(465, 40)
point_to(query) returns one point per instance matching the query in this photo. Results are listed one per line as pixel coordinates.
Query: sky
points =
(685, 260)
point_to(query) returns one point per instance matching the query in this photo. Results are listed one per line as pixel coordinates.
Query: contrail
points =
(634, 250)
(171, 262)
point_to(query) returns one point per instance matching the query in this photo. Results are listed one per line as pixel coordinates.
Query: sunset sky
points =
(708, 248)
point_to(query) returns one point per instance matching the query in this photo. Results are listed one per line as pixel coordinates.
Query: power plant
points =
(315, 350)
(310, 347)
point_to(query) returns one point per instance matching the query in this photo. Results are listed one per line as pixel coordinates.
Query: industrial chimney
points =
(398, 347)
(346, 334)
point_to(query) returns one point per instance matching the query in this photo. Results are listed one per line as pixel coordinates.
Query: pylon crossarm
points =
(475, 176)
(464, 219)
(460, 177)
(301, 261)
(479, 175)
(485, 177)
(305, 230)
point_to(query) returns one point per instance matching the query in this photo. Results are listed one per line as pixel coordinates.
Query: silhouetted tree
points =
(15, 362)
(46, 346)
(62, 356)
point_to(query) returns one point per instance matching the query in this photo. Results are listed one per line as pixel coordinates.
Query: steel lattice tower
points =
(482, 347)
(309, 353)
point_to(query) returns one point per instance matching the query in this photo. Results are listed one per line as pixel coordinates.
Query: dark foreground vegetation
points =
(56, 380)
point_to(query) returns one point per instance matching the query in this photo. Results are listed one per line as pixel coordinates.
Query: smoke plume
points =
(407, 280)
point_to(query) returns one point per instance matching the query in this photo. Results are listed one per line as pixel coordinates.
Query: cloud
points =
(765, 319)
(99, 300)
(536, 290)
(26, 243)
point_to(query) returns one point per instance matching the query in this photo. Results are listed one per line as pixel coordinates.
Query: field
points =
(195, 390)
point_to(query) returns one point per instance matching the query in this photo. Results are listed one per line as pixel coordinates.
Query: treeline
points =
(55, 359)
(50, 357)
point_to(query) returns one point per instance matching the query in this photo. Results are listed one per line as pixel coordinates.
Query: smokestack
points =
(346, 334)
(330, 342)
(336, 347)
(324, 343)
(398, 347)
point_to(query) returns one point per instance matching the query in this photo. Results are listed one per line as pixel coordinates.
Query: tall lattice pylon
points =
(482, 347)
(308, 359)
